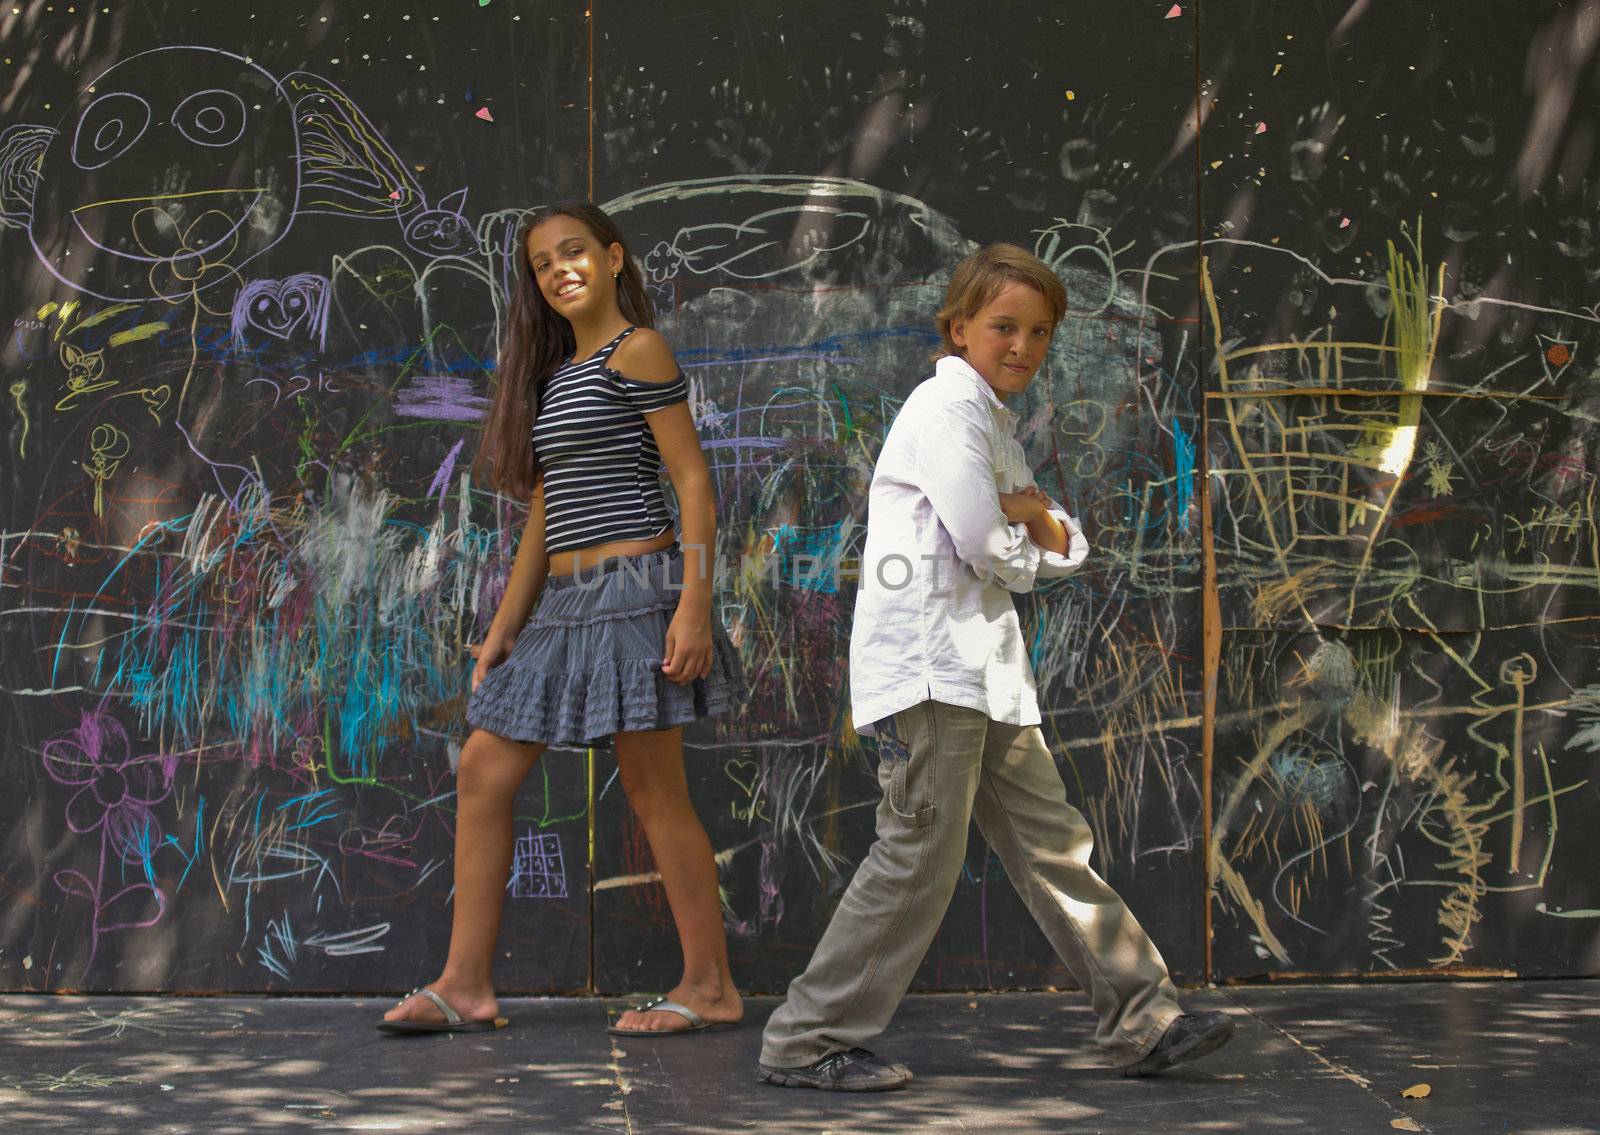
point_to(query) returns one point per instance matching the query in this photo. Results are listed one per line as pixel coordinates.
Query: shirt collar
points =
(956, 365)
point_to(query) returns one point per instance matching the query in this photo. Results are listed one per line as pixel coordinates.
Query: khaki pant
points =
(963, 764)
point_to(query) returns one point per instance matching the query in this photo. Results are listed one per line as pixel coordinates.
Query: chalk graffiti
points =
(1339, 479)
(537, 870)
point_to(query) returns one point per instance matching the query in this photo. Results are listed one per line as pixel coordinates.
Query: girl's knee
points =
(652, 775)
(656, 794)
(651, 798)
(490, 766)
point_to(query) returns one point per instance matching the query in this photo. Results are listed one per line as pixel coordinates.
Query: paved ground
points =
(1499, 1056)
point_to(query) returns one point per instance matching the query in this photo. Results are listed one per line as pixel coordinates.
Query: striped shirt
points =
(602, 468)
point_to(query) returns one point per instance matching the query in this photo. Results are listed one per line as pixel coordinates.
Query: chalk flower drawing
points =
(115, 794)
(115, 791)
(198, 260)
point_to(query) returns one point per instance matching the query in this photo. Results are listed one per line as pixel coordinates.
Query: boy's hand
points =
(1024, 507)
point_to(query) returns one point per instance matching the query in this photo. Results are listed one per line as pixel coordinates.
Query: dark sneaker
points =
(854, 1070)
(1187, 1038)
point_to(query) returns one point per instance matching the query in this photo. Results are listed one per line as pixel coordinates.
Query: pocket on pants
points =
(909, 797)
(895, 794)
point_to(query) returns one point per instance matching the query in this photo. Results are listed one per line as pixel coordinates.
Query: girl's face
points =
(1007, 339)
(576, 274)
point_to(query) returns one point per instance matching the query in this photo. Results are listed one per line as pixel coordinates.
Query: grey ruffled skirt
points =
(588, 662)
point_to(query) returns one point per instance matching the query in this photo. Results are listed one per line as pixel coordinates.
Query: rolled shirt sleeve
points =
(1053, 565)
(955, 473)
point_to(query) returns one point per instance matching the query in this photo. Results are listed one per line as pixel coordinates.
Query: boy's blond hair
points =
(984, 274)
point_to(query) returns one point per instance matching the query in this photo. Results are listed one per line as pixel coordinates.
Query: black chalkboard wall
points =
(1326, 401)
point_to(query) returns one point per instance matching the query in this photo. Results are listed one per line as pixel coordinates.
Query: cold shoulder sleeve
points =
(645, 395)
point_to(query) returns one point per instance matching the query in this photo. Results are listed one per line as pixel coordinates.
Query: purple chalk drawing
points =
(295, 305)
(114, 797)
(441, 480)
(443, 397)
(443, 230)
(537, 871)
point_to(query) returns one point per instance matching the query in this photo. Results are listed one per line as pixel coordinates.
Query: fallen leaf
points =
(1405, 1124)
(972, 1004)
(1417, 1092)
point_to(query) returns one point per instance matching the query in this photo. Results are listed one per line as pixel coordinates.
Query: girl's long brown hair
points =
(537, 341)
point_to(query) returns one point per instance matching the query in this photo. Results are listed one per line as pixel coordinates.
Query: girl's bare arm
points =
(645, 357)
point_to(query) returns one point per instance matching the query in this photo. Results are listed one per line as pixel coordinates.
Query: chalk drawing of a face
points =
(172, 168)
(442, 230)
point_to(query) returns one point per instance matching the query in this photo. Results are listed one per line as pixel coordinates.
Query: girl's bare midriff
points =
(565, 563)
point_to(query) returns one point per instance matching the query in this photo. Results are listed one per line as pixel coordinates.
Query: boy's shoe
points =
(1187, 1038)
(853, 1070)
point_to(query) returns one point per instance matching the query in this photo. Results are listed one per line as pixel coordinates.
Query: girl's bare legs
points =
(651, 769)
(491, 770)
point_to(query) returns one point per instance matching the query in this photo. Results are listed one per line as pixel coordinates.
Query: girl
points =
(588, 404)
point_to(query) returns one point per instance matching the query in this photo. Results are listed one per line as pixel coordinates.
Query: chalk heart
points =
(280, 307)
(747, 781)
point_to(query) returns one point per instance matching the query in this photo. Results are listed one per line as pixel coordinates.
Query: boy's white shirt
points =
(951, 633)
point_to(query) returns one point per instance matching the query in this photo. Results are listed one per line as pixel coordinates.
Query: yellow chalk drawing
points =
(1334, 457)
(1218, 866)
(18, 389)
(1412, 331)
(1439, 472)
(193, 266)
(85, 374)
(155, 399)
(107, 447)
(1416, 758)
(1518, 673)
(65, 314)
(234, 191)
(139, 333)
(102, 315)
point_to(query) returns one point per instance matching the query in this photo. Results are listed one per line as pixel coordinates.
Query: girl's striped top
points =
(602, 469)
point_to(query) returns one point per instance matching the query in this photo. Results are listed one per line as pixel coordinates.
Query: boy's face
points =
(1008, 338)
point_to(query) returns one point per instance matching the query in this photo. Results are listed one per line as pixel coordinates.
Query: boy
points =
(954, 524)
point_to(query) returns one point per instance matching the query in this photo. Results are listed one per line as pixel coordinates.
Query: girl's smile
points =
(573, 270)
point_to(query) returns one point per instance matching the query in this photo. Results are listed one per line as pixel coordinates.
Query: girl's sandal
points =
(697, 1023)
(453, 1021)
